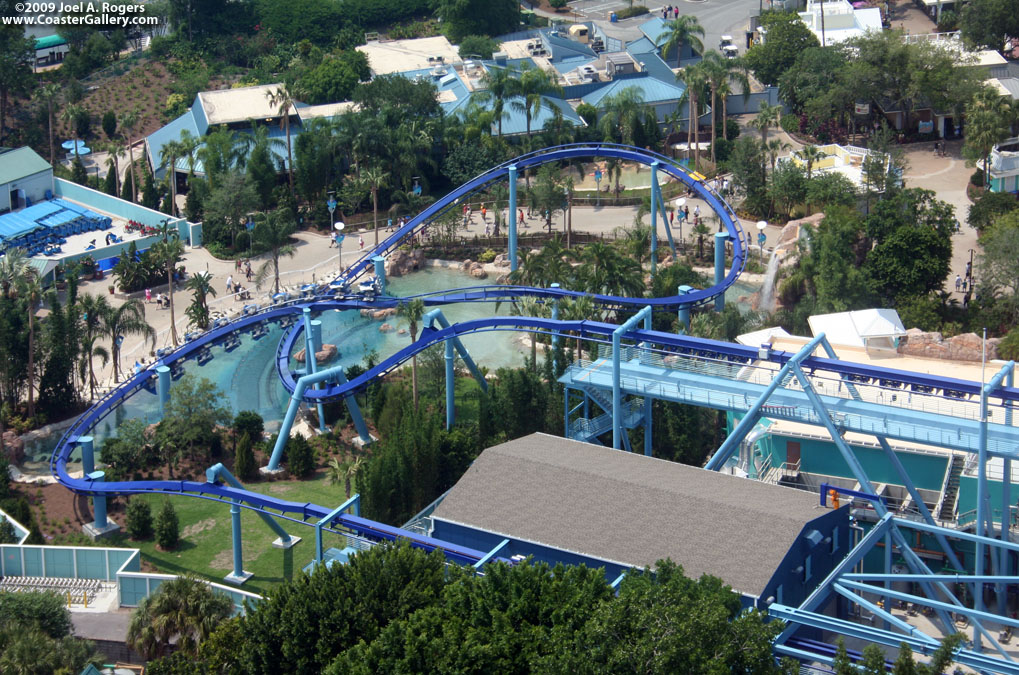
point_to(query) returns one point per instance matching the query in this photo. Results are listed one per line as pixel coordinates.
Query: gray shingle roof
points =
(631, 509)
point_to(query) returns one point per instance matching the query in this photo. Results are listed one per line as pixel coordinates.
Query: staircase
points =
(947, 511)
(588, 429)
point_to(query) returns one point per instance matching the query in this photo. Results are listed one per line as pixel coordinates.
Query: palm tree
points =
(345, 471)
(119, 322)
(533, 84)
(116, 148)
(12, 268)
(30, 290)
(92, 309)
(500, 84)
(580, 308)
(988, 122)
(810, 154)
(70, 117)
(716, 73)
(273, 233)
(413, 312)
(200, 285)
(740, 74)
(127, 124)
(695, 77)
(49, 95)
(183, 608)
(776, 146)
(168, 253)
(683, 30)
(622, 116)
(605, 270)
(189, 144)
(168, 156)
(614, 169)
(282, 99)
(375, 177)
(766, 118)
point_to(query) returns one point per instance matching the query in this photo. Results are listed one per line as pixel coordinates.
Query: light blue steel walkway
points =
(711, 382)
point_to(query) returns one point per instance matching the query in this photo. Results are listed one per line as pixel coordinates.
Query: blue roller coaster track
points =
(325, 297)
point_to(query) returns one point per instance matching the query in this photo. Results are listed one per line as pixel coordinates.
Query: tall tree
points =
(92, 309)
(119, 322)
(49, 95)
(695, 78)
(533, 85)
(988, 122)
(168, 156)
(16, 56)
(200, 285)
(282, 99)
(621, 116)
(412, 312)
(168, 253)
(128, 123)
(71, 116)
(683, 30)
(273, 233)
(501, 84)
(30, 291)
(183, 609)
(375, 178)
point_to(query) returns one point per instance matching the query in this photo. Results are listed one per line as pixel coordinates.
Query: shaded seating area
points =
(42, 228)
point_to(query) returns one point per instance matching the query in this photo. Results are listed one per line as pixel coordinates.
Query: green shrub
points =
(167, 527)
(977, 178)
(45, 610)
(139, 518)
(300, 456)
(487, 257)
(628, 12)
(244, 459)
(249, 422)
(8, 535)
(790, 124)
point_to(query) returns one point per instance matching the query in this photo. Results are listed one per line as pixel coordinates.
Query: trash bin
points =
(612, 17)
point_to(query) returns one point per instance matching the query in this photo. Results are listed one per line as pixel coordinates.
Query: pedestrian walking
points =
(686, 213)
(247, 273)
(389, 225)
(360, 243)
(958, 282)
(487, 229)
(148, 295)
(969, 270)
(675, 12)
(229, 283)
(672, 217)
(484, 211)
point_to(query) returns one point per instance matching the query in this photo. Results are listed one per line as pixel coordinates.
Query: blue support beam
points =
(753, 414)
(163, 375)
(617, 396)
(799, 617)
(655, 198)
(354, 504)
(665, 221)
(491, 554)
(437, 317)
(720, 239)
(312, 344)
(512, 224)
(216, 472)
(684, 312)
(450, 386)
(889, 618)
(99, 502)
(380, 272)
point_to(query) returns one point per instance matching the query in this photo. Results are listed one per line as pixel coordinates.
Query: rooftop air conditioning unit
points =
(439, 71)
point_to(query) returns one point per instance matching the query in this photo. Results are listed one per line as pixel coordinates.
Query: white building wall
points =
(35, 187)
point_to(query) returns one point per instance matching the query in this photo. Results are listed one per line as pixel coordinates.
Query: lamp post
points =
(680, 203)
(338, 227)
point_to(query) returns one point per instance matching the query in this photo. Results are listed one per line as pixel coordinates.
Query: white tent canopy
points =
(863, 328)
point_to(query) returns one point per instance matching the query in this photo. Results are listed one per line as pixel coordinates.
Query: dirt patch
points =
(224, 560)
(198, 528)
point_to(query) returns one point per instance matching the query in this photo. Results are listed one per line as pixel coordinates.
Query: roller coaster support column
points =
(380, 272)
(335, 373)
(555, 317)
(450, 386)
(684, 312)
(238, 576)
(654, 219)
(163, 372)
(617, 391)
(354, 504)
(1006, 501)
(99, 502)
(218, 471)
(88, 454)
(512, 224)
(720, 239)
(312, 343)
(436, 316)
(731, 443)
(984, 518)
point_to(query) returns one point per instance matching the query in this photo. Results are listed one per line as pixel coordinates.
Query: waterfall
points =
(767, 301)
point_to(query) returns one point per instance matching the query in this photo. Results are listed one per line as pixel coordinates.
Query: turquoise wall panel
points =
(59, 562)
(33, 562)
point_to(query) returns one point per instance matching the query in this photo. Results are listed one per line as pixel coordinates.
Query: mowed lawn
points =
(206, 539)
